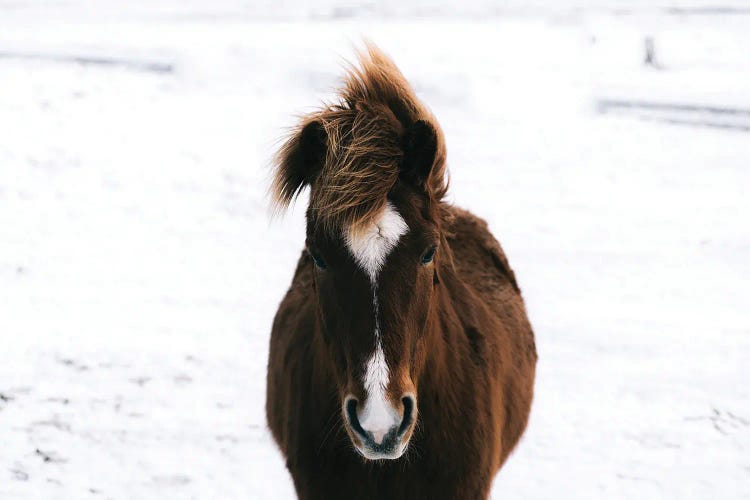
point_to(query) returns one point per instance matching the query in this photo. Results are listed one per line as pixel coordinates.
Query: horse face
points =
(375, 289)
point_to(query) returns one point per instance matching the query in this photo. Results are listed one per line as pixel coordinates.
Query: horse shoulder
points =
(289, 354)
(477, 251)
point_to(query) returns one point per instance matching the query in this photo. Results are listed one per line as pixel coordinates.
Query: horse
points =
(401, 361)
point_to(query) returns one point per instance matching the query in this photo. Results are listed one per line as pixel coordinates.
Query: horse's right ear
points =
(299, 161)
(420, 150)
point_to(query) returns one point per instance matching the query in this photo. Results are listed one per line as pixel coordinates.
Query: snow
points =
(140, 270)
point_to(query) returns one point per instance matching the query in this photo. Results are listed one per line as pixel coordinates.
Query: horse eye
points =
(317, 259)
(429, 255)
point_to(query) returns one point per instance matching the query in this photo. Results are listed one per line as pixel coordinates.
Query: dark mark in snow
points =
(19, 475)
(182, 379)
(6, 399)
(48, 457)
(699, 123)
(133, 64)
(141, 381)
(719, 117)
(738, 419)
(72, 363)
(605, 104)
(54, 423)
(63, 401)
(723, 422)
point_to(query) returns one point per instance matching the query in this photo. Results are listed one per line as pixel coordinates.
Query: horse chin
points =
(381, 455)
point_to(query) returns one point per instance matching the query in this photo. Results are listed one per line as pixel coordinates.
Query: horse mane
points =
(364, 146)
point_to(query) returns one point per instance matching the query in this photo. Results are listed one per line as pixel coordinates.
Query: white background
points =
(140, 271)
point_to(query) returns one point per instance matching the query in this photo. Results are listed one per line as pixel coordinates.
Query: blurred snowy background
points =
(607, 143)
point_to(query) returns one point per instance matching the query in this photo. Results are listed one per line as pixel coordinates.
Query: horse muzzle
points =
(380, 432)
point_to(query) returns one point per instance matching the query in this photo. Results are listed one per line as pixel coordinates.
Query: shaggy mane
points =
(364, 145)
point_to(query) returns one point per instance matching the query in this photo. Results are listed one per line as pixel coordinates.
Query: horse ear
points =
(299, 161)
(420, 148)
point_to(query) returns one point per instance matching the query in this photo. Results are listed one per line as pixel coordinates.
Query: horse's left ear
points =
(299, 161)
(420, 148)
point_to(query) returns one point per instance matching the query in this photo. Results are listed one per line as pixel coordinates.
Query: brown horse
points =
(401, 361)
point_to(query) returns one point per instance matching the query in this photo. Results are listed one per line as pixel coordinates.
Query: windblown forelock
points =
(361, 168)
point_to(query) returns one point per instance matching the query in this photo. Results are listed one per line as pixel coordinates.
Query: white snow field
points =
(140, 270)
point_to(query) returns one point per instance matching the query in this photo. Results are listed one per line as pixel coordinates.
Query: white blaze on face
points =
(378, 415)
(370, 247)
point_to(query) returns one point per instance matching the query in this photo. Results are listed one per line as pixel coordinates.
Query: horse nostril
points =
(406, 422)
(351, 416)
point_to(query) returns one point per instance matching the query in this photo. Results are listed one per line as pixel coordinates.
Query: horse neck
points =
(444, 362)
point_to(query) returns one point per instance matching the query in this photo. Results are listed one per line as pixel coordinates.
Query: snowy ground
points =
(139, 271)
